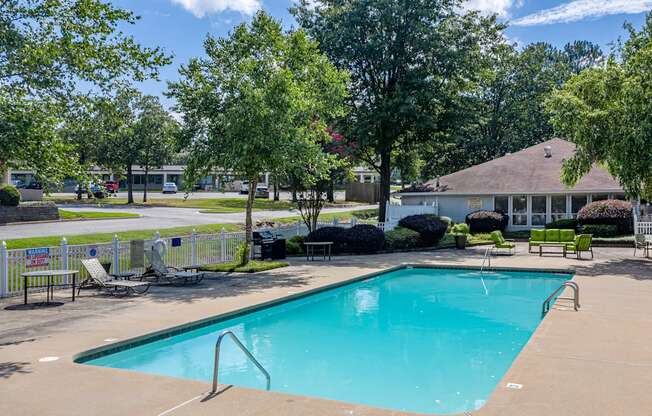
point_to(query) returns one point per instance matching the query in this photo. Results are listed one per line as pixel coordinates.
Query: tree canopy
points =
(258, 102)
(606, 112)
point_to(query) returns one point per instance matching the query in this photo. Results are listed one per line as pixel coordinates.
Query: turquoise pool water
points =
(419, 340)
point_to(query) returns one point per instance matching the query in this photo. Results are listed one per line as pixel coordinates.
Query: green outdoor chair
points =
(501, 244)
(582, 243)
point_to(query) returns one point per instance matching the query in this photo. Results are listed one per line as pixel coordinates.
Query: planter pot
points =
(460, 241)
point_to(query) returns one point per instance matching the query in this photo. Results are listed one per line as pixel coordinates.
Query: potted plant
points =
(460, 231)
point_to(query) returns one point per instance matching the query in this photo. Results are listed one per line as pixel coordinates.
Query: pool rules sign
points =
(36, 257)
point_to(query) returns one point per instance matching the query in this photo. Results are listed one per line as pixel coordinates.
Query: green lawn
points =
(72, 215)
(208, 205)
(252, 267)
(123, 236)
(340, 216)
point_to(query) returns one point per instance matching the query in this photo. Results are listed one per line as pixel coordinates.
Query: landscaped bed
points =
(253, 266)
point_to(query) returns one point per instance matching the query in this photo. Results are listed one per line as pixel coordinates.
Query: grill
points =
(268, 246)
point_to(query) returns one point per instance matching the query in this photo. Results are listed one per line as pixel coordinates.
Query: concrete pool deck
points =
(594, 362)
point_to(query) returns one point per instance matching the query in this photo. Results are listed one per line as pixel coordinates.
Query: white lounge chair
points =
(100, 278)
(158, 270)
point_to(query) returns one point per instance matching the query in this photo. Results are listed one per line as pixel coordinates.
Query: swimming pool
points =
(425, 340)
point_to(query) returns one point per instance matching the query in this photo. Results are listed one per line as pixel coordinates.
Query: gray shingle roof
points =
(526, 171)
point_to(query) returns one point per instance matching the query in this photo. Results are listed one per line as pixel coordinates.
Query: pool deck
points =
(594, 362)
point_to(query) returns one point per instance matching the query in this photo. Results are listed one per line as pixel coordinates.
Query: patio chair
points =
(641, 242)
(100, 278)
(501, 244)
(583, 243)
(158, 271)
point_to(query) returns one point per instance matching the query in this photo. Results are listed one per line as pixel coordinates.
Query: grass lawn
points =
(252, 267)
(123, 236)
(340, 216)
(71, 215)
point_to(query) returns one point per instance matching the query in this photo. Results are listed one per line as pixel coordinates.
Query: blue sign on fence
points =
(35, 257)
(176, 242)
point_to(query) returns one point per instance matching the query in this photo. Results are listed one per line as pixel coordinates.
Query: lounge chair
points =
(640, 242)
(583, 243)
(501, 244)
(159, 271)
(100, 278)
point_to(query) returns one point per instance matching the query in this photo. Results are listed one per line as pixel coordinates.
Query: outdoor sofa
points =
(575, 244)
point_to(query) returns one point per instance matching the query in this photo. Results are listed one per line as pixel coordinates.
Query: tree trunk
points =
(385, 177)
(330, 190)
(277, 193)
(130, 185)
(253, 182)
(145, 183)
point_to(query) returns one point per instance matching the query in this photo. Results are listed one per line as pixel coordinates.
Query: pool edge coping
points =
(100, 351)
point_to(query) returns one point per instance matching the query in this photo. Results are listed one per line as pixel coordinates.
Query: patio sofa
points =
(538, 237)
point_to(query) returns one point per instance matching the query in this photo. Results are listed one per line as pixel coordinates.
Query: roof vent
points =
(548, 151)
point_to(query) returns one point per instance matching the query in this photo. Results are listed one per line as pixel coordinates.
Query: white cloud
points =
(200, 8)
(582, 9)
(500, 7)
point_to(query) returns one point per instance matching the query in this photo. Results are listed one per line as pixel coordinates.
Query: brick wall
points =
(42, 211)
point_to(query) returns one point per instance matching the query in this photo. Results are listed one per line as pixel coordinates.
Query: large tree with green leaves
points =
(606, 112)
(409, 60)
(48, 48)
(155, 132)
(258, 102)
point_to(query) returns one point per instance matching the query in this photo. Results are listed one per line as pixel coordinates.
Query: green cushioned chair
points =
(501, 244)
(582, 243)
(536, 238)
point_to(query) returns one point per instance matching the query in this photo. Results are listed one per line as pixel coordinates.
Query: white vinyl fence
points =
(194, 249)
(644, 228)
(396, 212)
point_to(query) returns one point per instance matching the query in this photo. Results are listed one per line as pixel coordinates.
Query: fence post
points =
(157, 235)
(4, 270)
(116, 254)
(222, 246)
(299, 227)
(193, 247)
(64, 256)
(354, 221)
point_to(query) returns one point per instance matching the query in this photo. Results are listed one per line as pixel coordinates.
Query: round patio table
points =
(49, 275)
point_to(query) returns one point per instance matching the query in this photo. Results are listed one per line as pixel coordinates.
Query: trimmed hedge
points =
(565, 224)
(487, 221)
(430, 227)
(609, 212)
(363, 238)
(601, 230)
(9, 196)
(402, 238)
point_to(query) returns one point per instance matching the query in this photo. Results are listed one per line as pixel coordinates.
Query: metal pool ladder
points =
(486, 259)
(545, 308)
(244, 349)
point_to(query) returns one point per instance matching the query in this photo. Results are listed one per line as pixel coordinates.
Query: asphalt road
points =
(138, 196)
(152, 218)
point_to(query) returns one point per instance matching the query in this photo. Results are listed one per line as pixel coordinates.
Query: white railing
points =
(643, 228)
(186, 250)
(395, 212)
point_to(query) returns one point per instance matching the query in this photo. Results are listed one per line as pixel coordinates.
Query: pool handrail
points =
(244, 349)
(545, 308)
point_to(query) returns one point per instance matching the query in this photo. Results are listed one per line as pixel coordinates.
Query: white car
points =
(262, 191)
(169, 188)
(244, 187)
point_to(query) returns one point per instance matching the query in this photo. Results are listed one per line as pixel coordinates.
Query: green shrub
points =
(564, 224)
(609, 212)
(363, 238)
(601, 230)
(461, 228)
(241, 255)
(430, 227)
(487, 221)
(294, 245)
(402, 238)
(9, 196)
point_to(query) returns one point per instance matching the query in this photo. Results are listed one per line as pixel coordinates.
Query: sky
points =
(180, 26)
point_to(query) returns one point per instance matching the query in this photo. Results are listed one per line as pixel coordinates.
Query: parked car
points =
(169, 188)
(112, 187)
(262, 191)
(244, 187)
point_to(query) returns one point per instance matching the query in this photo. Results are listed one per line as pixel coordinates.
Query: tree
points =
(154, 133)
(47, 50)
(606, 112)
(258, 102)
(118, 148)
(408, 60)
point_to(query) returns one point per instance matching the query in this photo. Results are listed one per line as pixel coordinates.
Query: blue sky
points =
(180, 26)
